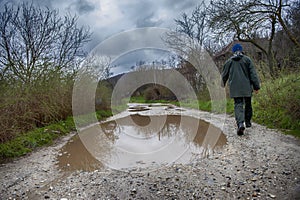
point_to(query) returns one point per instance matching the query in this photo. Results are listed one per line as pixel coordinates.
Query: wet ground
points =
(143, 141)
(262, 164)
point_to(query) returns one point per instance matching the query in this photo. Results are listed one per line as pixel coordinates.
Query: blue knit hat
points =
(237, 47)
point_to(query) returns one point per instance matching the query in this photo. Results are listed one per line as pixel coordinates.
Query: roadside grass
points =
(87, 119)
(141, 99)
(211, 106)
(27, 142)
(278, 104)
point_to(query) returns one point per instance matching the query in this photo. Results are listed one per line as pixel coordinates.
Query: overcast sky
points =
(108, 17)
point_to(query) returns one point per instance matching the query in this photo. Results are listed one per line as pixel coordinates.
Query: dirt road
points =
(262, 164)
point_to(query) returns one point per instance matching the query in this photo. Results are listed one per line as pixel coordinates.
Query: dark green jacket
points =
(239, 71)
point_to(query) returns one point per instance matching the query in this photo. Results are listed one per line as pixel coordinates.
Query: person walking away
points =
(241, 75)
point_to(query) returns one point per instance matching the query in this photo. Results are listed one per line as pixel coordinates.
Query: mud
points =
(74, 156)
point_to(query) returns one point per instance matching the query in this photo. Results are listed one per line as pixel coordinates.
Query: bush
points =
(103, 96)
(158, 92)
(25, 107)
(278, 103)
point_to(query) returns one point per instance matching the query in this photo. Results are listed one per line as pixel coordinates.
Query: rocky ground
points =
(262, 164)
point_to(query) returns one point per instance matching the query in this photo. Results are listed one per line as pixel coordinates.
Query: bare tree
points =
(35, 41)
(190, 36)
(190, 40)
(195, 26)
(196, 63)
(249, 20)
(96, 66)
(293, 20)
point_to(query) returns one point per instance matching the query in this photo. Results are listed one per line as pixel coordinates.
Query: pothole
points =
(141, 141)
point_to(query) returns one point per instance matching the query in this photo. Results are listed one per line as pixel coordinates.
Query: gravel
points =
(262, 164)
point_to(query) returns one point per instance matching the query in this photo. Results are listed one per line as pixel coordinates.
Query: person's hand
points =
(256, 91)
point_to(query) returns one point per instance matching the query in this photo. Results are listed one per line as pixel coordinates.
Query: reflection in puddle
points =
(142, 141)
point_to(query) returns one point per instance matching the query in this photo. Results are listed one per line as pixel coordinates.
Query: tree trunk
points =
(270, 54)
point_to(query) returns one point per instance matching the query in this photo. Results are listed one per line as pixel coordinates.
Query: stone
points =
(133, 191)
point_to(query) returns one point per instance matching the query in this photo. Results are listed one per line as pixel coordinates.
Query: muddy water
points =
(141, 141)
(74, 156)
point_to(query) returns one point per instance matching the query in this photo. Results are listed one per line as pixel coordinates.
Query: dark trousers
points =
(242, 109)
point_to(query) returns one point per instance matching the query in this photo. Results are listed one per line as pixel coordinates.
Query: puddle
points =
(141, 141)
(74, 156)
(160, 105)
(138, 108)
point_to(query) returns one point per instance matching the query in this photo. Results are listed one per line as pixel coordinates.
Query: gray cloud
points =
(108, 17)
(132, 40)
(125, 62)
(179, 5)
(148, 21)
(139, 12)
(82, 6)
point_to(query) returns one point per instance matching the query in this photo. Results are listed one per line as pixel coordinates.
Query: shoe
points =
(241, 129)
(248, 124)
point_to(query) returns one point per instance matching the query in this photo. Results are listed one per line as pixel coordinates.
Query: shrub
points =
(158, 92)
(278, 103)
(25, 107)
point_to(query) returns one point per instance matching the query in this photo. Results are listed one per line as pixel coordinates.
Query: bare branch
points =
(35, 40)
